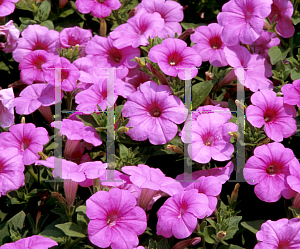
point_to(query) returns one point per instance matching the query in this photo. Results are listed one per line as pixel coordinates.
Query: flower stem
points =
(31, 172)
(215, 245)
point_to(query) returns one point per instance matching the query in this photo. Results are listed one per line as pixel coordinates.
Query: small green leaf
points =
(53, 232)
(118, 111)
(3, 66)
(295, 75)
(280, 66)
(44, 10)
(277, 53)
(27, 20)
(186, 25)
(66, 13)
(296, 20)
(200, 91)
(208, 232)
(71, 229)
(88, 120)
(253, 226)
(82, 218)
(48, 24)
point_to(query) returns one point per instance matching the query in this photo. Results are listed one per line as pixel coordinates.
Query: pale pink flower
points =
(11, 35)
(7, 7)
(291, 93)
(98, 8)
(7, 114)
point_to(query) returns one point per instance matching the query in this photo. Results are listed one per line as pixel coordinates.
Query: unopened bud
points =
(296, 202)
(42, 155)
(235, 193)
(76, 50)
(70, 52)
(174, 148)
(103, 27)
(34, 8)
(62, 3)
(208, 76)
(228, 78)
(239, 105)
(186, 34)
(59, 197)
(132, 12)
(123, 129)
(141, 63)
(185, 243)
(266, 25)
(23, 120)
(221, 235)
(157, 74)
(265, 141)
(233, 134)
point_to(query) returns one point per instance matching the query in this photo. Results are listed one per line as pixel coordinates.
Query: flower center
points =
(248, 13)
(273, 169)
(174, 59)
(100, 1)
(270, 115)
(115, 55)
(25, 144)
(182, 210)
(155, 112)
(72, 40)
(111, 219)
(38, 63)
(215, 42)
(64, 74)
(208, 140)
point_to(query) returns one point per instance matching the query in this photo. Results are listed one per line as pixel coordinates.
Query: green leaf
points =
(230, 247)
(186, 25)
(212, 223)
(253, 226)
(48, 24)
(66, 13)
(295, 75)
(200, 91)
(233, 226)
(25, 5)
(280, 66)
(27, 20)
(123, 151)
(53, 232)
(277, 53)
(295, 211)
(298, 126)
(3, 66)
(44, 10)
(118, 111)
(296, 20)
(208, 232)
(88, 120)
(82, 219)
(71, 229)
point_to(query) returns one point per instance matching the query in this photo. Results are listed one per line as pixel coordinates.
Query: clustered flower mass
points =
(98, 182)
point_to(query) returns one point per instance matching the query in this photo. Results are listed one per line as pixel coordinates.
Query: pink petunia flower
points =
(75, 36)
(12, 168)
(178, 215)
(283, 233)
(170, 11)
(251, 69)
(137, 30)
(92, 170)
(173, 57)
(153, 113)
(11, 35)
(7, 7)
(31, 66)
(269, 110)
(264, 43)
(209, 44)
(152, 181)
(69, 73)
(243, 20)
(115, 220)
(7, 114)
(37, 97)
(98, 8)
(209, 138)
(33, 242)
(293, 180)
(284, 11)
(36, 37)
(291, 93)
(28, 139)
(268, 170)
(106, 55)
(211, 187)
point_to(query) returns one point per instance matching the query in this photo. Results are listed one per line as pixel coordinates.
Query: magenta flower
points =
(264, 43)
(7, 114)
(88, 100)
(12, 168)
(75, 36)
(269, 110)
(209, 138)
(243, 20)
(170, 11)
(178, 215)
(7, 7)
(211, 187)
(33, 242)
(36, 37)
(11, 35)
(115, 220)
(173, 57)
(284, 11)
(282, 233)
(136, 77)
(209, 44)
(98, 8)
(291, 93)
(28, 139)
(152, 181)
(37, 97)
(137, 30)
(153, 113)
(92, 170)
(31, 66)
(252, 70)
(293, 180)
(268, 169)
(106, 55)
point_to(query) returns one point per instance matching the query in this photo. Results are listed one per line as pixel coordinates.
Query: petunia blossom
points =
(209, 44)
(268, 170)
(7, 7)
(28, 139)
(178, 215)
(137, 30)
(33, 242)
(173, 57)
(99, 8)
(31, 66)
(151, 181)
(153, 113)
(11, 170)
(283, 233)
(11, 35)
(270, 111)
(284, 11)
(36, 37)
(170, 11)
(291, 93)
(252, 70)
(115, 220)
(243, 20)
(7, 114)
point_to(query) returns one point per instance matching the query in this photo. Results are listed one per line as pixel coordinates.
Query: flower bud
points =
(62, 3)
(233, 134)
(185, 243)
(103, 27)
(42, 155)
(59, 197)
(157, 74)
(23, 120)
(209, 76)
(266, 25)
(123, 129)
(239, 105)
(141, 63)
(296, 202)
(186, 34)
(235, 193)
(174, 148)
(228, 78)
(70, 189)
(132, 12)
(221, 235)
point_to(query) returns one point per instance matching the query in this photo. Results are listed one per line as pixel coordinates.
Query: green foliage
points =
(295, 211)
(71, 229)
(253, 226)
(162, 244)
(201, 90)
(53, 232)
(277, 53)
